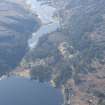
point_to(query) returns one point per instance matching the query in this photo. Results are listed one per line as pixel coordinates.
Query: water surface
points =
(22, 91)
(16, 90)
(46, 15)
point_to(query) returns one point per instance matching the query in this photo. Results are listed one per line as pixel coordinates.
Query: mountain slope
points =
(16, 26)
(73, 57)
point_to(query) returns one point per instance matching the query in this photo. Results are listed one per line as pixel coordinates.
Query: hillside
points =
(16, 26)
(73, 57)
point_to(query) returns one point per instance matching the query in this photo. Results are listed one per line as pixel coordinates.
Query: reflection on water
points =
(22, 91)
